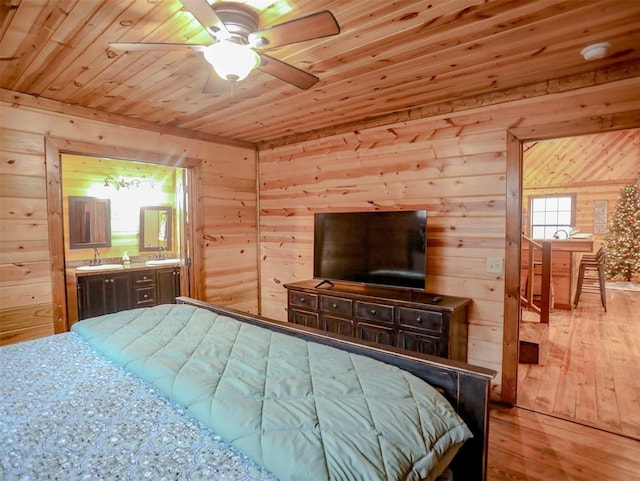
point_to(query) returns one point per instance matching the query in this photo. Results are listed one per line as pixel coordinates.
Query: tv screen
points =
(380, 247)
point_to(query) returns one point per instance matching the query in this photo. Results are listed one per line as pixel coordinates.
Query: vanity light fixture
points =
(122, 183)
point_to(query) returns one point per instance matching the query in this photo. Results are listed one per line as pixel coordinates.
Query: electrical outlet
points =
(494, 264)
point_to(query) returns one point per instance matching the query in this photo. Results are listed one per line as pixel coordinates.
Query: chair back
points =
(596, 259)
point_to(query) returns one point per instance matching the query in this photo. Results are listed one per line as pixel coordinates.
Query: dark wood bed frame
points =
(465, 386)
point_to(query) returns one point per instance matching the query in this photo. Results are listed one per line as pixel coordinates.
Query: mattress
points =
(68, 413)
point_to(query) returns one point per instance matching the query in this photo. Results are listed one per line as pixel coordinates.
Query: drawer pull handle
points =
(334, 305)
(302, 300)
(418, 319)
(146, 295)
(373, 312)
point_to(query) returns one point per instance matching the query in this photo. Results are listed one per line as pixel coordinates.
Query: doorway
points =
(585, 374)
(55, 149)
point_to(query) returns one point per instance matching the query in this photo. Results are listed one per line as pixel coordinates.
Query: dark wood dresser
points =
(406, 318)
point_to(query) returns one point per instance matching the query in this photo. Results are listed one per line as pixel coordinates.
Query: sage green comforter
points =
(303, 410)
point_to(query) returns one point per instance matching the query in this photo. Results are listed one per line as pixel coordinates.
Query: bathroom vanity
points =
(112, 288)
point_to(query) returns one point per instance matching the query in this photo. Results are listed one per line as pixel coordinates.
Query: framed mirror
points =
(156, 228)
(89, 222)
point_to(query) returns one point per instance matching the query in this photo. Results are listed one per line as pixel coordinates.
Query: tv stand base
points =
(405, 318)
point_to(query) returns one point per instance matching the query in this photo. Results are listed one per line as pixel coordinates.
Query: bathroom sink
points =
(100, 267)
(161, 262)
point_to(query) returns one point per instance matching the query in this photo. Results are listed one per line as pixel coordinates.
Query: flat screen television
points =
(378, 247)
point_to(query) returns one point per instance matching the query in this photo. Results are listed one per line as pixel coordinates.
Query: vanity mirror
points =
(156, 228)
(89, 222)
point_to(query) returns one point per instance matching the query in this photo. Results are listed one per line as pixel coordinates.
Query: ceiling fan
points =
(238, 44)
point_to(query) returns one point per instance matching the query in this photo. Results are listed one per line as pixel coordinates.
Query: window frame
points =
(557, 226)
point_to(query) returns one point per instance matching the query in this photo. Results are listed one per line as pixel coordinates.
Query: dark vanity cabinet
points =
(144, 288)
(405, 318)
(104, 293)
(167, 285)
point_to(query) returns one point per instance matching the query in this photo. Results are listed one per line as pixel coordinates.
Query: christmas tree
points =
(623, 240)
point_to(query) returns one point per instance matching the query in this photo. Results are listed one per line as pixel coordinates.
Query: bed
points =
(196, 391)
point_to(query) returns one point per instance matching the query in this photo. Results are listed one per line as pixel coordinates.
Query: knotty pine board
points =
(426, 162)
(25, 239)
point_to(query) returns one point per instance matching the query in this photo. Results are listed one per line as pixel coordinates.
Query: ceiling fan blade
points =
(214, 84)
(316, 25)
(284, 71)
(146, 46)
(205, 15)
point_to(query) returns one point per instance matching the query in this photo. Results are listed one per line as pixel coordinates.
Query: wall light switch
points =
(495, 264)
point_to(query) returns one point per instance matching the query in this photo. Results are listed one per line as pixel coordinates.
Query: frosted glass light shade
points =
(230, 60)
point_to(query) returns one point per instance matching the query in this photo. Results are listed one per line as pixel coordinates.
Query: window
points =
(550, 214)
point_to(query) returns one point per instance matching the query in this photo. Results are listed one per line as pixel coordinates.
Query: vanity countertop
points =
(115, 268)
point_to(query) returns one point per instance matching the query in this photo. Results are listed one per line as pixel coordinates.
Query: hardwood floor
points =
(529, 446)
(592, 372)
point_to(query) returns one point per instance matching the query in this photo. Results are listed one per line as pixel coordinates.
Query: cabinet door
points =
(339, 325)
(168, 285)
(374, 333)
(413, 341)
(92, 295)
(303, 318)
(119, 289)
(104, 294)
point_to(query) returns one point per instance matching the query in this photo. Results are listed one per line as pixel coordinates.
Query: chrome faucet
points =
(161, 252)
(556, 234)
(96, 257)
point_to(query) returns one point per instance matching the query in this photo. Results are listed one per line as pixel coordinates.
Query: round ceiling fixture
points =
(595, 51)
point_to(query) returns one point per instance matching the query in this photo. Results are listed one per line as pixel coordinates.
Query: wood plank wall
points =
(453, 164)
(228, 200)
(25, 273)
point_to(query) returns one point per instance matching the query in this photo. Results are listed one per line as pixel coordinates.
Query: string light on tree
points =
(623, 240)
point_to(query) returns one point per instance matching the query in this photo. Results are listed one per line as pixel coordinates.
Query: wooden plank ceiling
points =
(390, 57)
(586, 160)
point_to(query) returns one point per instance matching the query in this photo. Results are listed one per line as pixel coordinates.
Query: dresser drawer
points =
(145, 296)
(429, 320)
(339, 325)
(303, 299)
(336, 305)
(374, 312)
(142, 278)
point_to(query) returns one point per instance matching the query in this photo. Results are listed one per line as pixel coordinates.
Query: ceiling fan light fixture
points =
(231, 60)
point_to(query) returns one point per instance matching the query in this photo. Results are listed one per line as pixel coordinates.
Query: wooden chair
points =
(592, 262)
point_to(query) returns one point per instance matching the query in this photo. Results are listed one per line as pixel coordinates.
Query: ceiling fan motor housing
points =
(239, 20)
